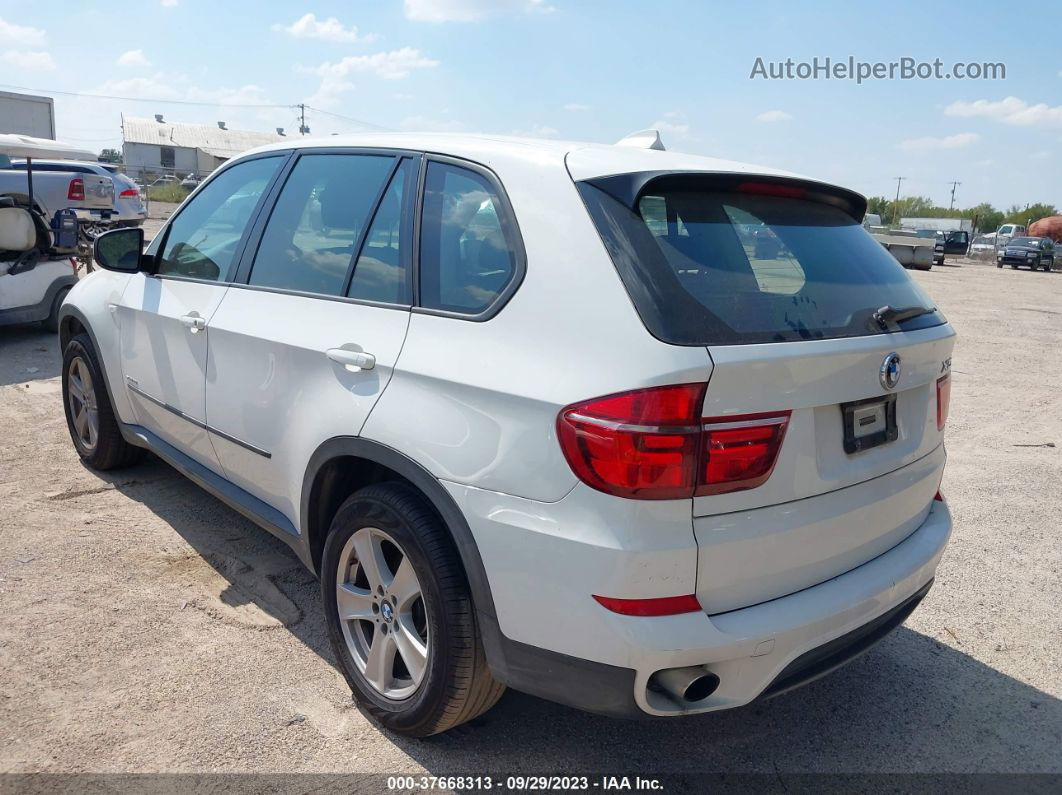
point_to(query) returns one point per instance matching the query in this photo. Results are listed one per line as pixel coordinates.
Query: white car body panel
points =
(827, 543)
(164, 362)
(267, 358)
(30, 288)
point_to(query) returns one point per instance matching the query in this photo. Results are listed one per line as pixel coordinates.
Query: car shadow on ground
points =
(28, 353)
(911, 704)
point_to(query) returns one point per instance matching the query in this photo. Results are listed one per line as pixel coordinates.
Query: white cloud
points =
(673, 122)
(422, 124)
(537, 131)
(331, 29)
(28, 59)
(1043, 154)
(20, 34)
(774, 115)
(576, 107)
(1008, 111)
(133, 58)
(392, 65)
(169, 3)
(468, 10)
(930, 144)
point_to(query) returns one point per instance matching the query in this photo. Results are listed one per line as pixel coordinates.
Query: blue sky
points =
(583, 70)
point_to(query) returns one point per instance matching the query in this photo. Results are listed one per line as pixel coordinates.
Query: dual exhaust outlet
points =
(685, 685)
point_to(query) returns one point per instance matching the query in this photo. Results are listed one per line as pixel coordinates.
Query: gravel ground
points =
(147, 627)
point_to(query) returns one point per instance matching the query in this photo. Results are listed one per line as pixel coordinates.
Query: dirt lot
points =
(145, 626)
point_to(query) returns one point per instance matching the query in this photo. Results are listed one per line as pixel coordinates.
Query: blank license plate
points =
(869, 423)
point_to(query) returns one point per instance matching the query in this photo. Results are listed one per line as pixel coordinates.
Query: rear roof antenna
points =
(643, 139)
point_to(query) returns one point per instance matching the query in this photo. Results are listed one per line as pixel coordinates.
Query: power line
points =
(348, 118)
(145, 99)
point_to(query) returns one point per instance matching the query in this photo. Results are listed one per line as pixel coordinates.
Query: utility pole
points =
(953, 185)
(896, 204)
(303, 129)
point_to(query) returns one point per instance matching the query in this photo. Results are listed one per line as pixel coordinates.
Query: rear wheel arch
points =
(342, 465)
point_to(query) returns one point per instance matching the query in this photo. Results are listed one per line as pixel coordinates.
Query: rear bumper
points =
(602, 662)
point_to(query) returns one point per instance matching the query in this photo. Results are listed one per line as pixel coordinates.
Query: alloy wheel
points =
(84, 413)
(382, 613)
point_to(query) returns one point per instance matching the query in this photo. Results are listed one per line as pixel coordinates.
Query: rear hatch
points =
(823, 417)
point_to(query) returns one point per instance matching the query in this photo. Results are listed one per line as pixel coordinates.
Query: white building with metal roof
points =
(154, 146)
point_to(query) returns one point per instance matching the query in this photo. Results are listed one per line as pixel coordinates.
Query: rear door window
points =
(467, 249)
(311, 237)
(724, 267)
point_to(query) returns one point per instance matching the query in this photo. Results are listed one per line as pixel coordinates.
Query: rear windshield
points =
(720, 267)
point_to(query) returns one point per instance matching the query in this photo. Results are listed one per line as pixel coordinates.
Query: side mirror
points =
(119, 250)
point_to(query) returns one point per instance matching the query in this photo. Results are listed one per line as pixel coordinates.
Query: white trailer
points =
(26, 114)
(938, 224)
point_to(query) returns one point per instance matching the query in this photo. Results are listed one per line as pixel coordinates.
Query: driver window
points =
(203, 238)
(309, 240)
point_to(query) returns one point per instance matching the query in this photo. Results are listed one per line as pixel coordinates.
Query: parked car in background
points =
(165, 179)
(1006, 232)
(88, 193)
(191, 182)
(129, 209)
(982, 246)
(956, 242)
(938, 243)
(713, 482)
(1032, 252)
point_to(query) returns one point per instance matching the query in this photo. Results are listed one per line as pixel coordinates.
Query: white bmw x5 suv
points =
(644, 433)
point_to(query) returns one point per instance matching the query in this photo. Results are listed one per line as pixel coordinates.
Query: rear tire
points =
(447, 681)
(89, 415)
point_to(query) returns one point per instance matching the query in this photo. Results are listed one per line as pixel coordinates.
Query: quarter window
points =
(382, 270)
(466, 256)
(318, 221)
(202, 240)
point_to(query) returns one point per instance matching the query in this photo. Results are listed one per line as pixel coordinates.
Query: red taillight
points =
(939, 497)
(76, 191)
(652, 444)
(129, 193)
(772, 189)
(740, 451)
(943, 400)
(636, 444)
(661, 606)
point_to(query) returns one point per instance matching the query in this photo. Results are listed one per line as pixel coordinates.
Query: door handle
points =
(193, 321)
(349, 358)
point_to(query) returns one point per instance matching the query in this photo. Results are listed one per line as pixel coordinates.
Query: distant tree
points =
(110, 156)
(878, 205)
(1029, 213)
(911, 207)
(986, 217)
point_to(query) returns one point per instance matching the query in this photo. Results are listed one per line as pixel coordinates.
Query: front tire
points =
(400, 614)
(89, 415)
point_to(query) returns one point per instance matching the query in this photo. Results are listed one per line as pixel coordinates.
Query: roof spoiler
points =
(643, 139)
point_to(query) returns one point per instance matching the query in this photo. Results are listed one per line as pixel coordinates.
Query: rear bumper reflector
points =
(661, 606)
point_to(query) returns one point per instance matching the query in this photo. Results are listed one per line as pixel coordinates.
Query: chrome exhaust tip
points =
(686, 685)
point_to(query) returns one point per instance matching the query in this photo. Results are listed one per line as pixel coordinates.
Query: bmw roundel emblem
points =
(889, 374)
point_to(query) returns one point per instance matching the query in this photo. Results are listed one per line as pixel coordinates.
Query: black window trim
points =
(510, 229)
(164, 234)
(243, 273)
(413, 206)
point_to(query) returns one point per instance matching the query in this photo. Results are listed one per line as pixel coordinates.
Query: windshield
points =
(707, 267)
(1024, 241)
